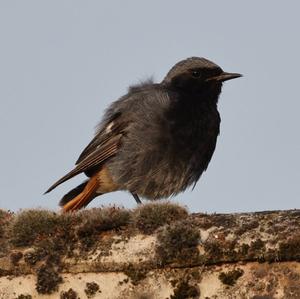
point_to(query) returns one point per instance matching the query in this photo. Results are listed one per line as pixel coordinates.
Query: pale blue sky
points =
(63, 62)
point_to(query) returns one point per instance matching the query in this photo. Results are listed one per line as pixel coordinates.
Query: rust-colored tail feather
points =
(84, 197)
(73, 193)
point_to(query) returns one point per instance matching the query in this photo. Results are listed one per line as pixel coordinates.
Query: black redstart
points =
(156, 140)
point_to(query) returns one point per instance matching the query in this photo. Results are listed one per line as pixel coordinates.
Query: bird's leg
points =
(136, 197)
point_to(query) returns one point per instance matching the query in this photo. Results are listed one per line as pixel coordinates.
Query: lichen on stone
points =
(185, 290)
(135, 274)
(48, 280)
(91, 289)
(174, 256)
(231, 277)
(70, 294)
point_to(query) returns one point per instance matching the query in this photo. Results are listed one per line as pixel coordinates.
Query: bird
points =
(156, 140)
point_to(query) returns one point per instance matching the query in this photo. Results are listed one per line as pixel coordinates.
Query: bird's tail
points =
(80, 196)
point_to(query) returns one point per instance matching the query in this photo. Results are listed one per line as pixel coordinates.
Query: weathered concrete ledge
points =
(154, 251)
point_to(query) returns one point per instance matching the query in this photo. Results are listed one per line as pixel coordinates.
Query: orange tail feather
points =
(83, 198)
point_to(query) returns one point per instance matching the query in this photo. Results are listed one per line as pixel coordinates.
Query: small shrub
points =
(149, 217)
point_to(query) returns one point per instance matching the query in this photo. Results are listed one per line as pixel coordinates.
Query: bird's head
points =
(197, 76)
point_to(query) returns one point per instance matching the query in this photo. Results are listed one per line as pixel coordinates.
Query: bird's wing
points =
(103, 146)
(112, 127)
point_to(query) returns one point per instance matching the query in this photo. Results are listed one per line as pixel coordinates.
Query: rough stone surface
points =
(248, 255)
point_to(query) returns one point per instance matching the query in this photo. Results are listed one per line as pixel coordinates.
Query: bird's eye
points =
(196, 74)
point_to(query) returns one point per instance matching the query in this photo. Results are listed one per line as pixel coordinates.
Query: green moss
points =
(91, 289)
(147, 218)
(178, 242)
(135, 274)
(65, 228)
(98, 220)
(70, 294)
(287, 251)
(229, 251)
(48, 250)
(185, 290)
(48, 280)
(231, 277)
(32, 224)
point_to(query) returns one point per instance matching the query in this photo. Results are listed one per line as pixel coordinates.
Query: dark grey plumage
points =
(160, 137)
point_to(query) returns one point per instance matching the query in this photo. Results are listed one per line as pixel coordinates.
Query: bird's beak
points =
(224, 77)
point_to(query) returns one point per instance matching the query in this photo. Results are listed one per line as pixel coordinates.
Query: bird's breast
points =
(192, 133)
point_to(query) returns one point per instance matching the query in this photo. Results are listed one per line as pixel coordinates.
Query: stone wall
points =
(154, 251)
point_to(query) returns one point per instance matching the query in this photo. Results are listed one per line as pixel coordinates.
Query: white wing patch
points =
(109, 126)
